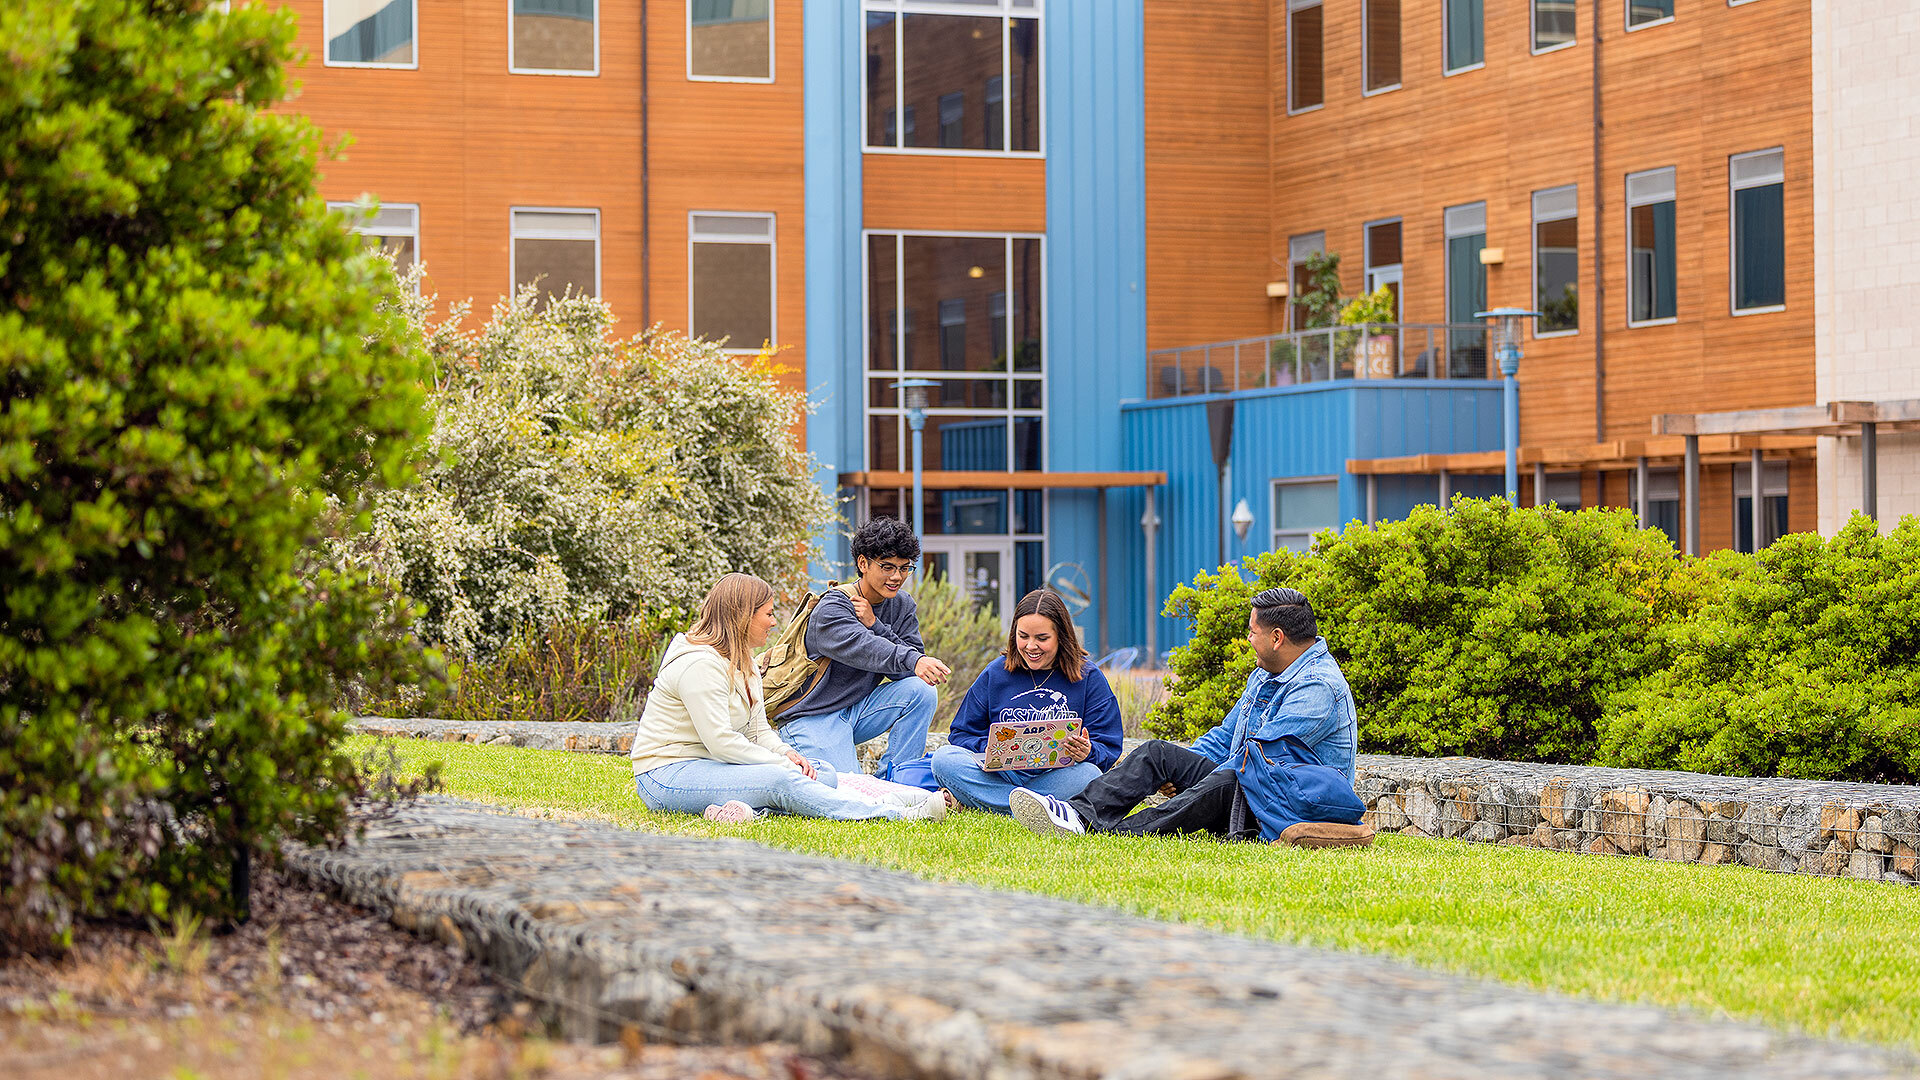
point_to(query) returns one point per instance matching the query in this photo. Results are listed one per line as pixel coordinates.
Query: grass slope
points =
(1833, 957)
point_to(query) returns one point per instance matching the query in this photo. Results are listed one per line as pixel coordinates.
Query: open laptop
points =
(1028, 744)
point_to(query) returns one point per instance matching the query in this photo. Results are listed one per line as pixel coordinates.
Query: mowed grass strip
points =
(1829, 956)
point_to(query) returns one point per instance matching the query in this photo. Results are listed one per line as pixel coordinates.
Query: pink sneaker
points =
(731, 812)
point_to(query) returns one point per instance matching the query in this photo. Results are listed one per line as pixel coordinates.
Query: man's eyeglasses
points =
(895, 569)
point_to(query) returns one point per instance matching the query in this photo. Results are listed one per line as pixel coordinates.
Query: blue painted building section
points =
(1095, 334)
(1287, 433)
(1096, 306)
(834, 54)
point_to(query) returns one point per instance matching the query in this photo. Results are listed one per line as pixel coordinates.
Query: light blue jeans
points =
(902, 708)
(959, 771)
(689, 787)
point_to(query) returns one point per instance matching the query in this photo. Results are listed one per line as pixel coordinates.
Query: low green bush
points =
(1804, 662)
(574, 479)
(193, 362)
(1482, 630)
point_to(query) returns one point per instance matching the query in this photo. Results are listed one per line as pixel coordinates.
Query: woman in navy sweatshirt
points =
(1045, 676)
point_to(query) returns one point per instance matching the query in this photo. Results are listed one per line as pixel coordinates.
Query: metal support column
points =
(1539, 483)
(1149, 529)
(1373, 499)
(1100, 512)
(1870, 471)
(1757, 488)
(1693, 495)
(1640, 495)
(1446, 486)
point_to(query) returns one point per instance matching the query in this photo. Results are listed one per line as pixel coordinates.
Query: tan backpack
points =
(787, 673)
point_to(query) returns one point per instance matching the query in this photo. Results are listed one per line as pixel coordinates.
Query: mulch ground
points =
(309, 988)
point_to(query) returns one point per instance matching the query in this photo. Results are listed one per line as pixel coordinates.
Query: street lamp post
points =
(1506, 331)
(913, 394)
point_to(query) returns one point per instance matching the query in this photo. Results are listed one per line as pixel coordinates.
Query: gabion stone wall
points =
(1867, 831)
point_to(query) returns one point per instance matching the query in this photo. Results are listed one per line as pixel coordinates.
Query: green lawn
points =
(1828, 956)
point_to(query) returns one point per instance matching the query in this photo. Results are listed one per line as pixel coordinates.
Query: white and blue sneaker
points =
(1044, 814)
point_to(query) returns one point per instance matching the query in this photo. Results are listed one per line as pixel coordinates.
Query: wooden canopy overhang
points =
(1026, 480)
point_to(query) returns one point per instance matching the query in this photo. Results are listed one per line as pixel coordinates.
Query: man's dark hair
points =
(1288, 611)
(885, 538)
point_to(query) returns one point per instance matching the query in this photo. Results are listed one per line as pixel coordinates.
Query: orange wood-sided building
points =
(1290, 125)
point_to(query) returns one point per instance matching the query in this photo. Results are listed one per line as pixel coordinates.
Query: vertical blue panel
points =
(1096, 271)
(832, 231)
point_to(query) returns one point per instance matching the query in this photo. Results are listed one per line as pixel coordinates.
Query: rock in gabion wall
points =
(1867, 831)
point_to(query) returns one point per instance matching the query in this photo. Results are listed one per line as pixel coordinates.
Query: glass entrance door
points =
(981, 567)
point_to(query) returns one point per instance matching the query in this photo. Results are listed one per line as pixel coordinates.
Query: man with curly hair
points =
(879, 676)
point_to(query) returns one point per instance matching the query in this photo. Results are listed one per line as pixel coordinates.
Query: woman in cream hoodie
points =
(704, 744)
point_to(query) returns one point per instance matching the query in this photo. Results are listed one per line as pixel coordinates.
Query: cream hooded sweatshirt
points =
(698, 709)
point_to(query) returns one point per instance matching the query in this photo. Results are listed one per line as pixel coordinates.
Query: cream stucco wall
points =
(1866, 210)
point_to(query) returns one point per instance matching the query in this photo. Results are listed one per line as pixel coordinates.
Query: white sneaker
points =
(1044, 814)
(931, 808)
(731, 812)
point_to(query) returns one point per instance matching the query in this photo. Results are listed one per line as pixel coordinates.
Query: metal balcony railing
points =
(1368, 351)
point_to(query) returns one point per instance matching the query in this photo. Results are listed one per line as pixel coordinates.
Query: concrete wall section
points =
(1866, 98)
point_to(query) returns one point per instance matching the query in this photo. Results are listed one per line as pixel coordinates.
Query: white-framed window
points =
(1380, 46)
(556, 248)
(1663, 500)
(730, 41)
(1556, 261)
(955, 62)
(1466, 232)
(393, 228)
(1303, 506)
(1652, 286)
(1773, 512)
(732, 281)
(1563, 490)
(1553, 24)
(1299, 249)
(1306, 56)
(1382, 243)
(966, 310)
(553, 37)
(1756, 193)
(1465, 32)
(1644, 13)
(371, 33)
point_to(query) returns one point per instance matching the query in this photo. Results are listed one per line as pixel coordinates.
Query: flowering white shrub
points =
(573, 477)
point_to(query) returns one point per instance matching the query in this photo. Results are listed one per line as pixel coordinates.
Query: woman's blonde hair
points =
(726, 616)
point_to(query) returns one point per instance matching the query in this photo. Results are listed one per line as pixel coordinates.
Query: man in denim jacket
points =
(1295, 689)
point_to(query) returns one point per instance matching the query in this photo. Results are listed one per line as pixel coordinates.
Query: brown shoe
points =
(1319, 834)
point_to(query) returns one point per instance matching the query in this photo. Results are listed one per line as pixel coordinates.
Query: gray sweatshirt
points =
(858, 657)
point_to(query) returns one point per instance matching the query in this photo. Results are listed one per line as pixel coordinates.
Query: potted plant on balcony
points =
(1375, 358)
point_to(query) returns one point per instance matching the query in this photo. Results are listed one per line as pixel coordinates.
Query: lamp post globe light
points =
(913, 394)
(1509, 323)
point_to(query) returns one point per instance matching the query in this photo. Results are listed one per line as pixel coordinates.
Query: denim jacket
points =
(1312, 703)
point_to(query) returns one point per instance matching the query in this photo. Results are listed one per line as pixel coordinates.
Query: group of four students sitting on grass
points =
(705, 744)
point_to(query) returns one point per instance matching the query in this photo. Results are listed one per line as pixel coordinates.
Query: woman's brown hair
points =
(1071, 659)
(725, 618)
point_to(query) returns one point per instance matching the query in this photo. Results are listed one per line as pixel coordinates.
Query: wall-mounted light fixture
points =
(1492, 256)
(1276, 289)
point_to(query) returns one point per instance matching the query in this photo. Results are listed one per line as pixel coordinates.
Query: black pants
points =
(1204, 802)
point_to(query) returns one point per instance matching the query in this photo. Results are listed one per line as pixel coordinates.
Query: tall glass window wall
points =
(971, 68)
(966, 311)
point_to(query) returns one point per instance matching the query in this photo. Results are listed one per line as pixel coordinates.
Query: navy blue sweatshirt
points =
(1000, 695)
